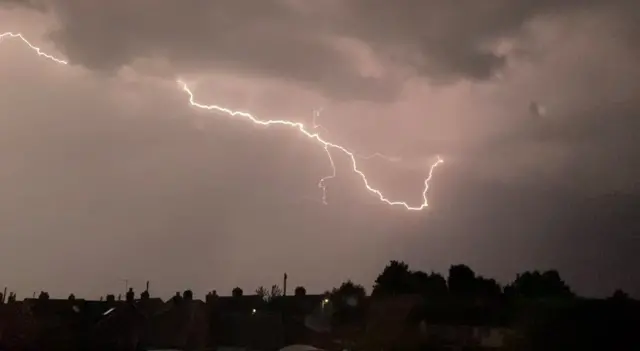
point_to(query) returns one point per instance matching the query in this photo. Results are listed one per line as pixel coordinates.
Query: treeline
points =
(462, 282)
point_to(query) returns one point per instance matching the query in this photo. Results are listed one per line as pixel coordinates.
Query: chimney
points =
(4, 295)
(147, 285)
(284, 285)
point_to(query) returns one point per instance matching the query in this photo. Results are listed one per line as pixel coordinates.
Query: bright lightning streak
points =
(33, 47)
(321, 184)
(295, 125)
(315, 136)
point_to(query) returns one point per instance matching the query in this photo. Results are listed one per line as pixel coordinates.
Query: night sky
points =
(108, 173)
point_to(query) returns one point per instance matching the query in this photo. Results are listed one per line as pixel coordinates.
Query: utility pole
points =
(284, 285)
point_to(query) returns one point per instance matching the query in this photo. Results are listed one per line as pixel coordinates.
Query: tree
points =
(237, 292)
(269, 295)
(72, 297)
(262, 292)
(432, 286)
(461, 281)
(348, 291)
(394, 279)
(275, 292)
(300, 291)
(539, 285)
(619, 295)
(347, 302)
(488, 289)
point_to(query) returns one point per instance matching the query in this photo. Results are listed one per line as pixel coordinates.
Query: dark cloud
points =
(442, 41)
(266, 38)
(454, 40)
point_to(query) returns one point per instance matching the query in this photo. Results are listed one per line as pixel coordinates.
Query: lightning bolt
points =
(326, 144)
(41, 53)
(276, 122)
(321, 183)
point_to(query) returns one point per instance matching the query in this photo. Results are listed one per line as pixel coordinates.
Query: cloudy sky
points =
(108, 174)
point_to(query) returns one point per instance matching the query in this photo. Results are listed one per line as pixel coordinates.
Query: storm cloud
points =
(106, 165)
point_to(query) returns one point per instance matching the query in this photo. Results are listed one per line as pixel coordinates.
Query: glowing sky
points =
(108, 174)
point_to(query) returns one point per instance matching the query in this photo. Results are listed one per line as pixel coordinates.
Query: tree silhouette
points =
(262, 292)
(397, 279)
(536, 285)
(111, 298)
(269, 295)
(461, 281)
(394, 279)
(300, 291)
(432, 286)
(487, 289)
(71, 297)
(237, 292)
(619, 295)
(347, 302)
(275, 292)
